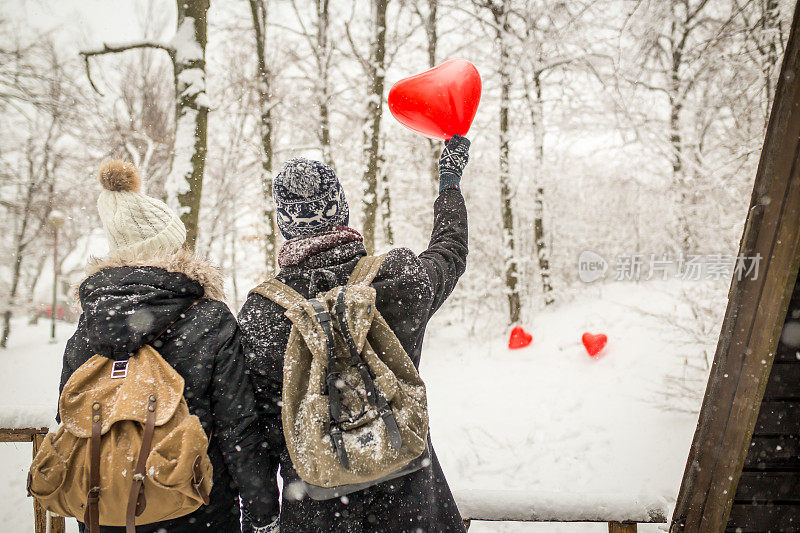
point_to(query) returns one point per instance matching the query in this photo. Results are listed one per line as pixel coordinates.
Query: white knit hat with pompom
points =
(137, 226)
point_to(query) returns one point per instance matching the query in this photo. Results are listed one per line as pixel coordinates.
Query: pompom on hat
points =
(137, 226)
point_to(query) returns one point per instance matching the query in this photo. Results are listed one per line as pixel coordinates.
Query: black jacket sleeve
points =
(77, 348)
(266, 330)
(446, 257)
(237, 430)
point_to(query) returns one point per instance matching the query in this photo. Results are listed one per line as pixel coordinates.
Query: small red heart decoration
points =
(519, 338)
(594, 343)
(440, 102)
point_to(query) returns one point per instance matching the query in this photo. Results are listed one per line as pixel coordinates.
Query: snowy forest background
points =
(617, 126)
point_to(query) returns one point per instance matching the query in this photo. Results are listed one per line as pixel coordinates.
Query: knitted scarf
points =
(297, 250)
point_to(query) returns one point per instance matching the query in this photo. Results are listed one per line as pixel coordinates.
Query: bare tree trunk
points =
(501, 14)
(372, 129)
(258, 10)
(540, 241)
(234, 265)
(323, 54)
(678, 37)
(21, 241)
(770, 31)
(34, 278)
(12, 294)
(185, 182)
(386, 203)
(432, 33)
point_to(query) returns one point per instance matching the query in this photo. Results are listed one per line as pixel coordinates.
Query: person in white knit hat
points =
(136, 225)
(152, 290)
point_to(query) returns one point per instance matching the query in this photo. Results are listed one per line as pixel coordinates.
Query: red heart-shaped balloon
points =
(440, 102)
(594, 343)
(519, 338)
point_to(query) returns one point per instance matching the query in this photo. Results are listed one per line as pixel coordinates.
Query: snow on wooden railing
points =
(530, 506)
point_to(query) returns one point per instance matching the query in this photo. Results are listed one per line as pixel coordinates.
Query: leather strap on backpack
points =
(136, 499)
(331, 378)
(92, 515)
(279, 292)
(366, 269)
(374, 394)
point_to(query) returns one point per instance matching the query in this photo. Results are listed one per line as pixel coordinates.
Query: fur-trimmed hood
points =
(182, 262)
(127, 304)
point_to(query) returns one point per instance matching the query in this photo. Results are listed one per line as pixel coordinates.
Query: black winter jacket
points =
(410, 289)
(124, 308)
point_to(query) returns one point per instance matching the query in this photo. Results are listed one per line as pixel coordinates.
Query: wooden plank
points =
(536, 506)
(783, 487)
(20, 435)
(784, 382)
(778, 418)
(780, 452)
(622, 527)
(754, 316)
(761, 518)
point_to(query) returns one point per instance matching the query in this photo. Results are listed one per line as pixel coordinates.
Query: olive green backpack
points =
(354, 407)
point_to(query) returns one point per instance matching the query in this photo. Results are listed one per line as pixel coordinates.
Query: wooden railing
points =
(36, 437)
(622, 513)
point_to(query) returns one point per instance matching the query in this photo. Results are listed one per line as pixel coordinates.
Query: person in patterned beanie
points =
(321, 253)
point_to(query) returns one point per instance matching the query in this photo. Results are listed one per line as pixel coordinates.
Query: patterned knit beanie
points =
(137, 226)
(308, 198)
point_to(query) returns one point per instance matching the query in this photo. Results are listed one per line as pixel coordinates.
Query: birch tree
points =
(258, 10)
(187, 48)
(430, 20)
(374, 67)
(500, 11)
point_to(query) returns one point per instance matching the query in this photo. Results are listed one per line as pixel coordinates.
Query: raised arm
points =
(446, 257)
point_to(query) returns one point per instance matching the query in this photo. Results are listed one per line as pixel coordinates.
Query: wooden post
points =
(754, 318)
(57, 524)
(622, 527)
(39, 514)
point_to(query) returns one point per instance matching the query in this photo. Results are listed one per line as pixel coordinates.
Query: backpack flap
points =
(122, 399)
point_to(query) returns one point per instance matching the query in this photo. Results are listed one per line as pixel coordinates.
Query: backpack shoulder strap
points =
(366, 269)
(279, 292)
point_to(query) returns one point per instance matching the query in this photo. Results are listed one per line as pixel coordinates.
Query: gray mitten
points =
(452, 162)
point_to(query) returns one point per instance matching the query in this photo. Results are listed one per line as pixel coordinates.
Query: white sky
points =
(77, 23)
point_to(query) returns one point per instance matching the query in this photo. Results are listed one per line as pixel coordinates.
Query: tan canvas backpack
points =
(127, 451)
(354, 407)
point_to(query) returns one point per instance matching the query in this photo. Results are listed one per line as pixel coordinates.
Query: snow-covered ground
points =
(546, 418)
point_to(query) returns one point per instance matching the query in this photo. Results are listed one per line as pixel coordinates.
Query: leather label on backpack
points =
(119, 369)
